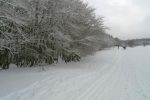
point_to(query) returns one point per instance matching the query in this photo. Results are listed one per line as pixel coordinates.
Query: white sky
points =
(127, 19)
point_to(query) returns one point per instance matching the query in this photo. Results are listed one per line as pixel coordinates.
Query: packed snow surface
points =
(114, 74)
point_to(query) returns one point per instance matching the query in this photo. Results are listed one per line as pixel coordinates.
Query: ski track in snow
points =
(108, 75)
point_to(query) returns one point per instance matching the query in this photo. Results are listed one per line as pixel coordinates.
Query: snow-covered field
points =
(108, 75)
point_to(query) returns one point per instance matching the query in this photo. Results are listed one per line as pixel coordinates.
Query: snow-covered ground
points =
(108, 75)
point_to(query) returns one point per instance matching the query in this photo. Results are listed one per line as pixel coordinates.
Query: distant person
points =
(118, 46)
(124, 47)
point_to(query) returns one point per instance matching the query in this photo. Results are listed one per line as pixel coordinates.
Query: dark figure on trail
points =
(144, 45)
(124, 47)
(118, 46)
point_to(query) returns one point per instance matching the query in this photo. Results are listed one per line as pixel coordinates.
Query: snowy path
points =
(108, 75)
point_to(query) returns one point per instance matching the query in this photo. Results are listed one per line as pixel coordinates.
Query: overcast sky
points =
(127, 19)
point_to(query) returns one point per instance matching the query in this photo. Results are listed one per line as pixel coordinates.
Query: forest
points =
(44, 31)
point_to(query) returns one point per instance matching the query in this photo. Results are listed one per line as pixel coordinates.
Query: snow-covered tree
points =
(42, 31)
